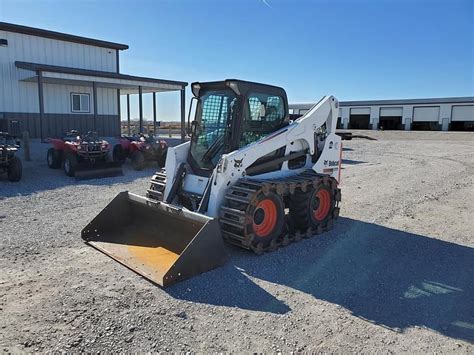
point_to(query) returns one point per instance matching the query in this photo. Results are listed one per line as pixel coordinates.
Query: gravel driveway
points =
(395, 274)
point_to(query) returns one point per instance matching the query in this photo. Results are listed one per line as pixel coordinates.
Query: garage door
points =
(426, 114)
(360, 111)
(391, 112)
(463, 113)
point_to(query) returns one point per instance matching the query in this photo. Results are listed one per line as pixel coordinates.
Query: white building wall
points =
(345, 113)
(57, 98)
(441, 113)
(374, 116)
(407, 118)
(18, 96)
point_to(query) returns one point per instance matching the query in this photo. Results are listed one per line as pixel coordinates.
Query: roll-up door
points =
(391, 118)
(463, 113)
(391, 112)
(426, 114)
(359, 118)
(360, 111)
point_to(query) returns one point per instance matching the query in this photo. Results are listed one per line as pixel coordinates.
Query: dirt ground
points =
(396, 274)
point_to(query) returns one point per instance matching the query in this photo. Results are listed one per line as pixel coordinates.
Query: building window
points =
(80, 102)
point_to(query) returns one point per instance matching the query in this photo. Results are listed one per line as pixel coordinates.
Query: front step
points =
(157, 186)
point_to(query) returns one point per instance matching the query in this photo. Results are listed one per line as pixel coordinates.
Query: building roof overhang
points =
(11, 27)
(400, 102)
(53, 74)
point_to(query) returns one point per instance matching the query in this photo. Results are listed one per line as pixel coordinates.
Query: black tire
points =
(70, 164)
(118, 154)
(138, 160)
(15, 169)
(311, 210)
(298, 211)
(53, 158)
(266, 223)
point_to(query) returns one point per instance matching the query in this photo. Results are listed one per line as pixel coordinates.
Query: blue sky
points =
(368, 49)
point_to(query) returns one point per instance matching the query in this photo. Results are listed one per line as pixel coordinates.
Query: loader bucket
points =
(159, 241)
(97, 170)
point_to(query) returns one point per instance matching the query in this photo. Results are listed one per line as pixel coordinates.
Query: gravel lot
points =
(395, 274)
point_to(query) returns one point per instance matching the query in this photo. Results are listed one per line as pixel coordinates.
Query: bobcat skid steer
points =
(248, 176)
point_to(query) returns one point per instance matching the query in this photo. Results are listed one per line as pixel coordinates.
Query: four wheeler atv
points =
(82, 156)
(141, 149)
(9, 163)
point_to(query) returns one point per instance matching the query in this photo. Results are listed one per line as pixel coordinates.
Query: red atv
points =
(83, 156)
(140, 149)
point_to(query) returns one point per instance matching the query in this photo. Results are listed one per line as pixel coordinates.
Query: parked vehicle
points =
(248, 176)
(82, 156)
(9, 163)
(141, 149)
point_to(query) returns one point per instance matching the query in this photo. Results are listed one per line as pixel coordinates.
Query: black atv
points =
(9, 163)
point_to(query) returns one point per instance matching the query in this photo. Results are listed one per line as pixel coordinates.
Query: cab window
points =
(264, 114)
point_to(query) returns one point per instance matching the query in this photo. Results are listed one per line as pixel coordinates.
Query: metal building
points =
(52, 82)
(452, 113)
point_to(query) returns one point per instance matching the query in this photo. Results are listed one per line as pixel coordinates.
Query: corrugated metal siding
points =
(17, 96)
(57, 99)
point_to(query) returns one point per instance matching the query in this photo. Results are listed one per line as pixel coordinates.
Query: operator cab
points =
(231, 114)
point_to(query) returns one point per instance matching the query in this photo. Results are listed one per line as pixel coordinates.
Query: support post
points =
(140, 108)
(154, 113)
(345, 114)
(407, 124)
(41, 102)
(445, 124)
(374, 117)
(128, 114)
(183, 115)
(119, 112)
(119, 106)
(26, 146)
(94, 97)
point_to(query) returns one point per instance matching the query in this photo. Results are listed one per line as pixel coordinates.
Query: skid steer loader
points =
(248, 176)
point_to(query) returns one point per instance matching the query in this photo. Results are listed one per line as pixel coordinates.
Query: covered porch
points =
(51, 124)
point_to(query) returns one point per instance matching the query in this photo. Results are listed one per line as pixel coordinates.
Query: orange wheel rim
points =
(265, 218)
(322, 209)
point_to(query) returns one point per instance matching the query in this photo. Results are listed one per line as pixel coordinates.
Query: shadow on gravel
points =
(388, 277)
(228, 286)
(38, 177)
(43, 179)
